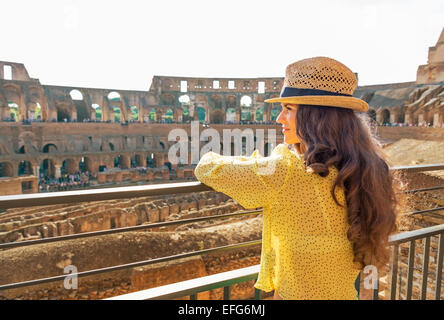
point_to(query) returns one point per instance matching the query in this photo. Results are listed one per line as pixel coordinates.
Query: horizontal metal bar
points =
(420, 190)
(42, 199)
(193, 286)
(419, 168)
(416, 234)
(131, 265)
(10, 245)
(424, 211)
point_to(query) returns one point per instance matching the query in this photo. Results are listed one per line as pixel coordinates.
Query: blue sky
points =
(122, 44)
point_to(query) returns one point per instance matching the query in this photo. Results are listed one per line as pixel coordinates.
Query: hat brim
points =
(329, 101)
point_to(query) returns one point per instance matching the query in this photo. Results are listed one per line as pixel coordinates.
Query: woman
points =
(326, 192)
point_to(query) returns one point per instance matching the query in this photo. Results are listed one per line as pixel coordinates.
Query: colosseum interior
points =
(57, 138)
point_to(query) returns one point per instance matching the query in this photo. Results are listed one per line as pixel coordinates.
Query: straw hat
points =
(320, 81)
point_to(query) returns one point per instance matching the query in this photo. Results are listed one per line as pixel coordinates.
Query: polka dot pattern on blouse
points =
(305, 250)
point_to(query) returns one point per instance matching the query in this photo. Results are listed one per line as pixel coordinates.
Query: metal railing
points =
(29, 200)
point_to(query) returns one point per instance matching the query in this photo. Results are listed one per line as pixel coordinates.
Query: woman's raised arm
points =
(253, 181)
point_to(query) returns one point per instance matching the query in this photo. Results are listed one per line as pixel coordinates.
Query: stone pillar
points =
(207, 115)
(57, 171)
(36, 170)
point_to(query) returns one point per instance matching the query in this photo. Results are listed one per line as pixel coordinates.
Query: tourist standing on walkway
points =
(327, 192)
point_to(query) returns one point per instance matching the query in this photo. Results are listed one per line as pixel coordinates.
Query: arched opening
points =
(162, 145)
(63, 115)
(111, 146)
(260, 114)
(49, 148)
(245, 103)
(230, 115)
(201, 114)
(114, 96)
(98, 111)
(13, 112)
(47, 168)
(400, 118)
(118, 161)
(116, 112)
(85, 164)
(38, 112)
(21, 150)
(6, 169)
(24, 168)
(136, 161)
(68, 167)
(134, 113)
(169, 115)
(76, 95)
(385, 116)
(151, 161)
(152, 115)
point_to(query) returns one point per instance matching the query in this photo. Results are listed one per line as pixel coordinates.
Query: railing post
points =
(257, 294)
(395, 251)
(439, 267)
(227, 293)
(425, 268)
(411, 267)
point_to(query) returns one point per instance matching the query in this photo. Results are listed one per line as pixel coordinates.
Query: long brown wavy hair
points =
(343, 138)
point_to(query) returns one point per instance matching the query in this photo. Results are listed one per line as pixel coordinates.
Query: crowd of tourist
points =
(66, 182)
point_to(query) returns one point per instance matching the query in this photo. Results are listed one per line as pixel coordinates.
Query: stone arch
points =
(14, 97)
(230, 115)
(24, 168)
(47, 168)
(134, 113)
(385, 116)
(6, 169)
(201, 114)
(259, 114)
(117, 114)
(151, 160)
(184, 101)
(64, 111)
(69, 166)
(87, 164)
(97, 112)
(13, 112)
(76, 94)
(114, 96)
(169, 115)
(230, 101)
(49, 148)
(246, 102)
(136, 161)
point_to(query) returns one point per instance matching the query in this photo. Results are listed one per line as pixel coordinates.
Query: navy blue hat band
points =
(295, 92)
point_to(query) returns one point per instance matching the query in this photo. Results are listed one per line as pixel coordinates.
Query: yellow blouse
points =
(305, 250)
